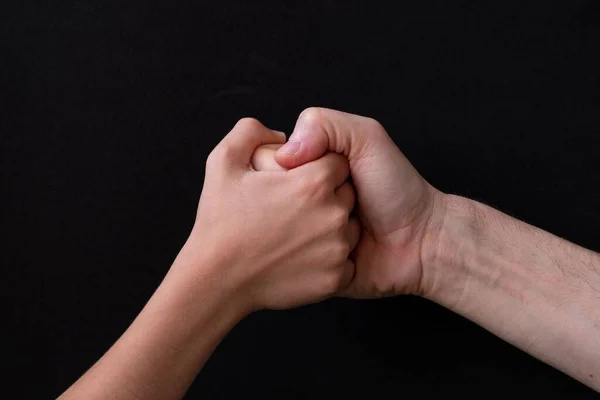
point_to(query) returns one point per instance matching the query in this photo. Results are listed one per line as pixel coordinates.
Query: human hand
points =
(400, 212)
(281, 238)
(263, 158)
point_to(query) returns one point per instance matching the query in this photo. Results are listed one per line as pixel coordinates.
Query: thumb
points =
(319, 130)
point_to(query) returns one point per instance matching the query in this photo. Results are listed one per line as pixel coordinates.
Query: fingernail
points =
(291, 147)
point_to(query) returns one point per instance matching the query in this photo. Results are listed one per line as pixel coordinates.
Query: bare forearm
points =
(533, 289)
(161, 353)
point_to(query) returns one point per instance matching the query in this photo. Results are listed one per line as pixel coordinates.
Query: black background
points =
(109, 109)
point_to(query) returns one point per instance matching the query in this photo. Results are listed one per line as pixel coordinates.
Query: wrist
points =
(201, 274)
(450, 235)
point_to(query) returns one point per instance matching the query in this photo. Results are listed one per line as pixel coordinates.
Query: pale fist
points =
(281, 238)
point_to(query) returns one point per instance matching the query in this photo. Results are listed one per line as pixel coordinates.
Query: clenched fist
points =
(281, 238)
(399, 211)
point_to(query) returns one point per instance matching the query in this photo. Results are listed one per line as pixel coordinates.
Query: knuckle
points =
(213, 158)
(339, 218)
(375, 128)
(225, 153)
(333, 281)
(374, 124)
(249, 124)
(320, 179)
(313, 185)
(340, 251)
(310, 115)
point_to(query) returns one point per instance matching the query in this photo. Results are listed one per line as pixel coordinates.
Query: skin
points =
(248, 251)
(527, 286)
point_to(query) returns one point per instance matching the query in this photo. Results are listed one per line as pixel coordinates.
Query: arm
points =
(533, 289)
(527, 286)
(250, 249)
(160, 354)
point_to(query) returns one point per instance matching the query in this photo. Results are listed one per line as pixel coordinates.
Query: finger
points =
(320, 129)
(353, 232)
(247, 135)
(348, 271)
(332, 169)
(263, 158)
(346, 195)
(273, 147)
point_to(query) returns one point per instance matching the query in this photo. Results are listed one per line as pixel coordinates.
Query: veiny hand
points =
(282, 238)
(399, 211)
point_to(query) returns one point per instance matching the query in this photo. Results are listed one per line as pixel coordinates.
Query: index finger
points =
(263, 158)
